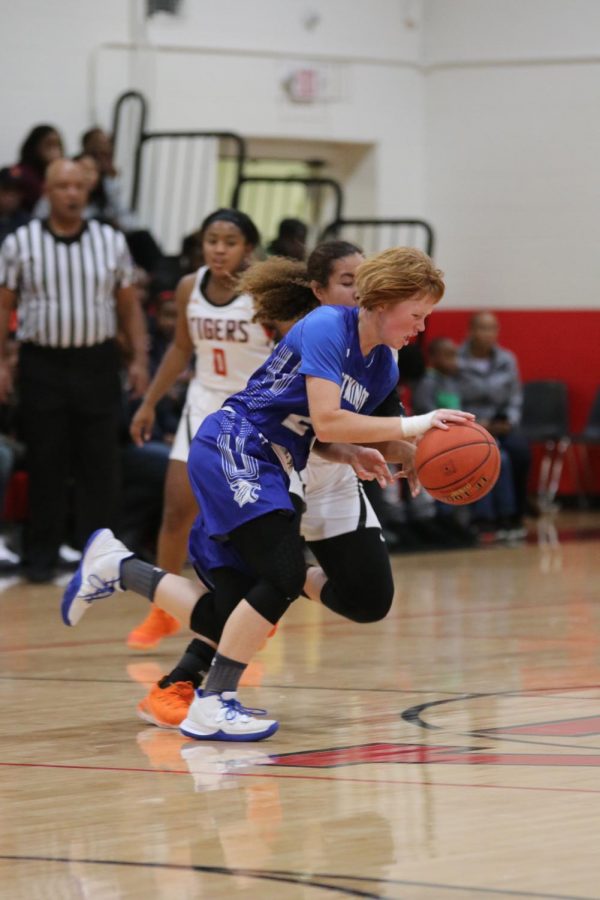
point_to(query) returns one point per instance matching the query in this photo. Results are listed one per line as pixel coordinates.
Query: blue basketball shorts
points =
(235, 474)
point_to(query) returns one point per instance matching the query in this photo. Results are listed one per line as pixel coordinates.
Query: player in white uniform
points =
(214, 322)
(335, 500)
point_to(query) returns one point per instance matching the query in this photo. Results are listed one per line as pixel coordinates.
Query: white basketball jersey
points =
(229, 347)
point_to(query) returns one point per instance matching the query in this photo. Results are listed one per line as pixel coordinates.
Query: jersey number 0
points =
(219, 361)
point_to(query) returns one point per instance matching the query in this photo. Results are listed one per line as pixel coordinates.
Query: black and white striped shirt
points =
(66, 286)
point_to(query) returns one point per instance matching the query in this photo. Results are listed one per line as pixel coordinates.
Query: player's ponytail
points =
(280, 289)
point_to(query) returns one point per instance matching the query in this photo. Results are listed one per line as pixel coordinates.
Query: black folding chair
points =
(545, 420)
(590, 436)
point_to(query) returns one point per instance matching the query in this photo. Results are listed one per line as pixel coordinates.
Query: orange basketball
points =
(460, 465)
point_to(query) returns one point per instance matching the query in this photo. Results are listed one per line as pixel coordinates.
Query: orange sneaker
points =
(157, 625)
(167, 707)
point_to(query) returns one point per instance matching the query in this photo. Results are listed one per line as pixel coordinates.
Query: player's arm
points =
(173, 363)
(133, 326)
(400, 452)
(367, 462)
(332, 423)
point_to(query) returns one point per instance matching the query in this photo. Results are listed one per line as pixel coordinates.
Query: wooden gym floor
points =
(451, 751)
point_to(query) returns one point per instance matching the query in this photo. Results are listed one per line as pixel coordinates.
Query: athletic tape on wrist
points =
(414, 426)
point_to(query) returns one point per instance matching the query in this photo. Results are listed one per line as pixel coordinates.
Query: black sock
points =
(224, 675)
(140, 577)
(193, 665)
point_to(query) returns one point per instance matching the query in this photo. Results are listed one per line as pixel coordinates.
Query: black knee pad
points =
(272, 547)
(376, 608)
(205, 619)
(358, 606)
(283, 573)
(284, 568)
(268, 601)
(360, 583)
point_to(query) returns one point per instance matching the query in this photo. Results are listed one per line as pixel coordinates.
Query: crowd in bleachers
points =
(479, 376)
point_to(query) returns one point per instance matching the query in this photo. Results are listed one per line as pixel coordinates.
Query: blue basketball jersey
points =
(324, 344)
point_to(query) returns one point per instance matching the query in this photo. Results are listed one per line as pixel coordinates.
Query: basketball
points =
(458, 466)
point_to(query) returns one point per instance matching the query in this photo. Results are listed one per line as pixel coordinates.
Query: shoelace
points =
(102, 588)
(234, 708)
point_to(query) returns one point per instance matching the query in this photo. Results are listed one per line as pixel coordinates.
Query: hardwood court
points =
(451, 751)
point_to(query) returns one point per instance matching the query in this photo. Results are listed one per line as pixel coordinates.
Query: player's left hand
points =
(370, 465)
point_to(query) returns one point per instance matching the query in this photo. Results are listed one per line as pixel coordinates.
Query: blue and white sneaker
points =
(221, 717)
(97, 576)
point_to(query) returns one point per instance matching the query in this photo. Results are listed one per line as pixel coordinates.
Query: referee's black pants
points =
(69, 401)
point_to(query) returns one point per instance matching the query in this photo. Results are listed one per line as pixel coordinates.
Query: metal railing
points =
(375, 235)
(172, 179)
(268, 200)
(176, 181)
(128, 125)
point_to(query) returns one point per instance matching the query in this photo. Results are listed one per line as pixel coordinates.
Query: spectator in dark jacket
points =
(490, 387)
(494, 514)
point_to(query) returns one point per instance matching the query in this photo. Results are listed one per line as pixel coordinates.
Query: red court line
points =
(585, 726)
(286, 776)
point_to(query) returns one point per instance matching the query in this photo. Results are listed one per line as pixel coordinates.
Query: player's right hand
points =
(442, 417)
(142, 424)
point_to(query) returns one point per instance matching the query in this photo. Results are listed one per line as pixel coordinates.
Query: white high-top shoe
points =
(97, 576)
(221, 717)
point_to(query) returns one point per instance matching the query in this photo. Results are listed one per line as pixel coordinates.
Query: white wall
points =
(480, 115)
(221, 66)
(45, 65)
(513, 149)
(461, 31)
(224, 70)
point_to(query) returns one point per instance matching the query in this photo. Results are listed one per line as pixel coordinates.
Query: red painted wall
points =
(558, 344)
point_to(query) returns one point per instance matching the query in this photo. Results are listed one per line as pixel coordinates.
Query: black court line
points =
(301, 878)
(452, 695)
(284, 877)
(274, 687)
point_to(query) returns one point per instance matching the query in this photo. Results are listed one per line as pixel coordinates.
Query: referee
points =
(72, 282)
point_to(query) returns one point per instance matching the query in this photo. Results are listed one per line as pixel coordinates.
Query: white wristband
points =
(414, 426)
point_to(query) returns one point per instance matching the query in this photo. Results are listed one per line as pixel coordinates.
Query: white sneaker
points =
(68, 554)
(97, 575)
(6, 554)
(221, 717)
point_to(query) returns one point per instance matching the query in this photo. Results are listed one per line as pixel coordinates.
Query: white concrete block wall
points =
(480, 115)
